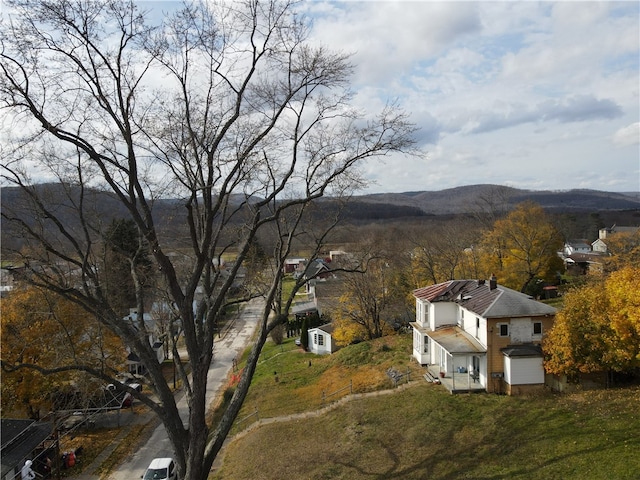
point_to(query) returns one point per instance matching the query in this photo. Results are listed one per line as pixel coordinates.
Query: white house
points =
(599, 246)
(576, 246)
(133, 360)
(320, 340)
(480, 335)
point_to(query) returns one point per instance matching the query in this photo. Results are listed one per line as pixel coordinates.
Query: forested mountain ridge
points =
(621, 208)
(470, 198)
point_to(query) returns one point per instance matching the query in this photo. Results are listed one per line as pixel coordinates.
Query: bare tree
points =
(444, 251)
(225, 106)
(493, 203)
(375, 287)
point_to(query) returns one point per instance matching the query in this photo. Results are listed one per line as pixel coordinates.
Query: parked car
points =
(161, 468)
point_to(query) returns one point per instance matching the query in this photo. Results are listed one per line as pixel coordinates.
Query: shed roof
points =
(326, 328)
(525, 350)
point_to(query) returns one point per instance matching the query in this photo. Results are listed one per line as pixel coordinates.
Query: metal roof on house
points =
(477, 297)
(301, 308)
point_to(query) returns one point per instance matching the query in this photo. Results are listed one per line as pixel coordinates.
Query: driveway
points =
(225, 350)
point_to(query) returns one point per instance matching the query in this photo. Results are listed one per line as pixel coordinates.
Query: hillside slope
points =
(472, 198)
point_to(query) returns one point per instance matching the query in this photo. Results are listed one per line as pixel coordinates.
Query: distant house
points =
(321, 341)
(153, 335)
(315, 269)
(22, 440)
(477, 335)
(581, 257)
(7, 280)
(600, 245)
(576, 246)
(583, 263)
(291, 264)
(603, 233)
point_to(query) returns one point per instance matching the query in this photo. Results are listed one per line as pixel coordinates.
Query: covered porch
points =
(458, 360)
(456, 382)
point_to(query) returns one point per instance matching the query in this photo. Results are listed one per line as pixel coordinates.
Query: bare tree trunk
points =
(243, 139)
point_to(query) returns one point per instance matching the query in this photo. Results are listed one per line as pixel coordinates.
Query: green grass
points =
(423, 431)
(289, 380)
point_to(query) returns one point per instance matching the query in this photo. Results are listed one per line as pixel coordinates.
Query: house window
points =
(426, 344)
(504, 329)
(320, 339)
(315, 338)
(477, 327)
(537, 328)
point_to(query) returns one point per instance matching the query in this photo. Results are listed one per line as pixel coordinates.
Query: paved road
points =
(232, 344)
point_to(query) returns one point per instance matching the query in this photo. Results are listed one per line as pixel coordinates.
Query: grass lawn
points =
(289, 380)
(423, 432)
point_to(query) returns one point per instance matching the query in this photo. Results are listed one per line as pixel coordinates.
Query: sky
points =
(540, 96)
(532, 95)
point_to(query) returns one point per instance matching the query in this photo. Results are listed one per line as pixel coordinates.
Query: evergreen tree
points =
(304, 334)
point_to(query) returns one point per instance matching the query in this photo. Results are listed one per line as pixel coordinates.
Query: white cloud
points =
(626, 136)
(519, 93)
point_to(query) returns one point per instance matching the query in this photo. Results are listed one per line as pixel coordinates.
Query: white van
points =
(161, 468)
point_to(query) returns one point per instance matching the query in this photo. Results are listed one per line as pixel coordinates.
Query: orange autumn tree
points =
(45, 331)
(598, 328)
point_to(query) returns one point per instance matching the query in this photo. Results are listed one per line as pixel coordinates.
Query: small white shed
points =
(523, 369)
(321, 341)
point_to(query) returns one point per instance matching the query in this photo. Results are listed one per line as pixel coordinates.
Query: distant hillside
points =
(619, 208)
(478, 197)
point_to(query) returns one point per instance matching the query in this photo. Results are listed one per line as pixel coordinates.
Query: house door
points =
(475, 361)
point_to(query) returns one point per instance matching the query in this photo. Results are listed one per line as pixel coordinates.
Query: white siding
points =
(422, 313)
(469, 325)
(420, 347)
(599, 246)
(443, 313)
(523, 371)
(315, 345)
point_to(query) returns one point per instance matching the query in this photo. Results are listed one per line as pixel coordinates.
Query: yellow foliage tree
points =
(623, 249)
(598, 327)
(346, 331)
(622, 288)
(43, 332)
(521, 247)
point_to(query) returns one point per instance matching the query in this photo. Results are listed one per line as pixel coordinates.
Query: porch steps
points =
(430, 378)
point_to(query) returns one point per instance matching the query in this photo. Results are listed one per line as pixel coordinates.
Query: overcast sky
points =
(526, 94)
